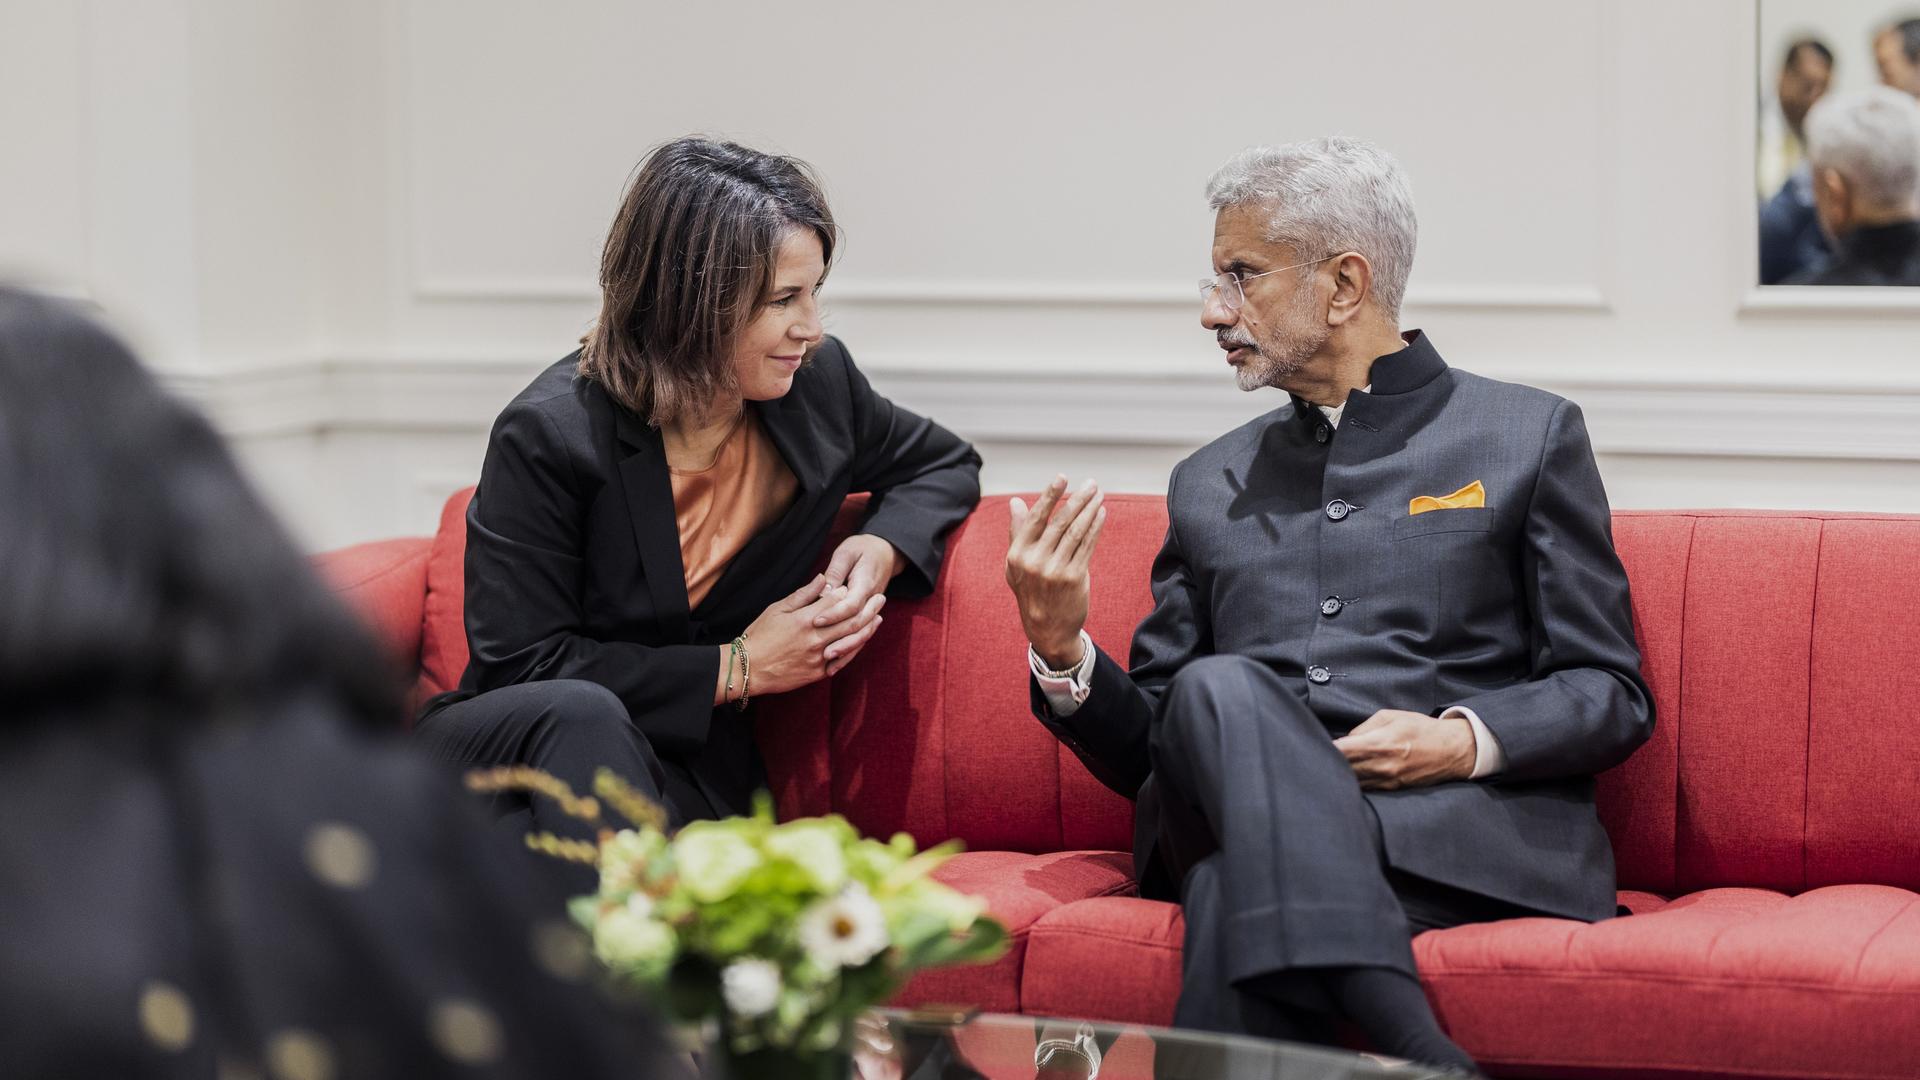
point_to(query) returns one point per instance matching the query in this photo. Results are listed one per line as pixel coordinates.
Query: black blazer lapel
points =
(792, 432)
(648, 489)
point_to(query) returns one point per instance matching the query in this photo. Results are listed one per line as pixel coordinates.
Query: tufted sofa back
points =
(1783, 649)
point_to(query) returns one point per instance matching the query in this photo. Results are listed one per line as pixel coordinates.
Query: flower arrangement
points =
(779, 934)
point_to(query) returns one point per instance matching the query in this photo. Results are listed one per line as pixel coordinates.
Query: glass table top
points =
(925, 1045)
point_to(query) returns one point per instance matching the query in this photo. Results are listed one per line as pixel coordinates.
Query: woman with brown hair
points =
(639, 547)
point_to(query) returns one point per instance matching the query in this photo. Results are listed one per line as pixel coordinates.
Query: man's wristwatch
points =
(1070, 669)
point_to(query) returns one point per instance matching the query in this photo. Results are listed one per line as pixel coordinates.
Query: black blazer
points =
(1518, 610)
(573, 566)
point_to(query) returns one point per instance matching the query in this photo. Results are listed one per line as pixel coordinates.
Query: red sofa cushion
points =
(443, 635)
(1637, 799)
(383, 582)
(1135, 947)
(1743, 702)
(1724, 982)
(1019, 889)
(1863, 740)
(1117, 958)
(1783, 650)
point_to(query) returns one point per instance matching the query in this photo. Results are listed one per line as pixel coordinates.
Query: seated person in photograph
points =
(213, 865)
(1391, 642)
(668, 489)
(1864, 149)
(1896, 50)
(1790, 236)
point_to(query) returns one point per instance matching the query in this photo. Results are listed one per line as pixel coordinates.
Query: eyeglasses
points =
(1232, 289)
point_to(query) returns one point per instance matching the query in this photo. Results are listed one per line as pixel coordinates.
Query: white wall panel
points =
(999, 155)
(43, 171)
(355, 228)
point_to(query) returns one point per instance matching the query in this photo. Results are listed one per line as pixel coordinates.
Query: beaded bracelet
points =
(746, 673)
(733, 657)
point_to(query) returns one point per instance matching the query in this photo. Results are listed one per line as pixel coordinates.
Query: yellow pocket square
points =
(1469, 497)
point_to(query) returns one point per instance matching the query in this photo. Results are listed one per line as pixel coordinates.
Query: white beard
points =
(1263, 371)
(1301, 337)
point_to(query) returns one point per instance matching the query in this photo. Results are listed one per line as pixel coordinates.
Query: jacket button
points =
(1338, 509)
(1319, 676)
(1322, 433)
(1331, 606)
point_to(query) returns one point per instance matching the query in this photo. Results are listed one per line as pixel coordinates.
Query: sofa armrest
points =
(385, 583)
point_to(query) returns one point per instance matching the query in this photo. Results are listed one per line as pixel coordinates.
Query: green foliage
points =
(704, 920)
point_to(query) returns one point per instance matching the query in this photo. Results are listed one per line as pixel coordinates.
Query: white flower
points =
(843, 931)
(813, 846)
(751, 987)
(625, 941)
(640, 906)
(713, 860)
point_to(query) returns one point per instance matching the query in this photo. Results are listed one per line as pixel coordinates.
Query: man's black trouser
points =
(1280, 857)
(569, 728)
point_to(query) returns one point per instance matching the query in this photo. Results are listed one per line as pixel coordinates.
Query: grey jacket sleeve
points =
(1585, 706)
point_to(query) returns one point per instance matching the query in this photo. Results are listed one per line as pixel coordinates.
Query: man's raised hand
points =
(1048, 552)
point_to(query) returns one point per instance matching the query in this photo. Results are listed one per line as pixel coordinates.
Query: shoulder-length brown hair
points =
(688, 259)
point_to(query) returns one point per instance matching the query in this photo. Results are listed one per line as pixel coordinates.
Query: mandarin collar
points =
(1408, 369)
(1401, 371)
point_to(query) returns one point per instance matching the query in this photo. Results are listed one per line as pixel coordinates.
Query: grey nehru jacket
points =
(1294, 545)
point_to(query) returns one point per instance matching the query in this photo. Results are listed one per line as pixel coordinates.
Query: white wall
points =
(354, 228)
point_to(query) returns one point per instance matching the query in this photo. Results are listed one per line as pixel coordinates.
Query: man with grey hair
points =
(1391, 642)
(1864, 150)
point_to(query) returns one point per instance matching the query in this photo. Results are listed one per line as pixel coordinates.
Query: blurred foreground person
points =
(1865, 152)
(210, 868)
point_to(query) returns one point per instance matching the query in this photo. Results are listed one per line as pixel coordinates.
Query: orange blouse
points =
(723, 506)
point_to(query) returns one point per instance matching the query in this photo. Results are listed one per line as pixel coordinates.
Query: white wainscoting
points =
(390, 437)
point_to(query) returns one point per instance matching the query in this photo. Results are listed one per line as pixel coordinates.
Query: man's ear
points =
(1352, 285)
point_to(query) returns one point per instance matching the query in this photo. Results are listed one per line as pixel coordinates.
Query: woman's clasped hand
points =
(789, 647)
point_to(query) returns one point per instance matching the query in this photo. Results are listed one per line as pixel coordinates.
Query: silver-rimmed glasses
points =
(1232, 289)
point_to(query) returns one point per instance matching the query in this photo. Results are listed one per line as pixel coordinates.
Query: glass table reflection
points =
(930, 1045)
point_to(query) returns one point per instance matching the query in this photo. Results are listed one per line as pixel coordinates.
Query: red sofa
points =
(1765, 837)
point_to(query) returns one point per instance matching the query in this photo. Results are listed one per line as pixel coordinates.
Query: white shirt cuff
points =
(1065, 695)
(1488, 757)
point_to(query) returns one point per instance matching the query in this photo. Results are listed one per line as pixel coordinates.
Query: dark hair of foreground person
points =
(212, 866)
